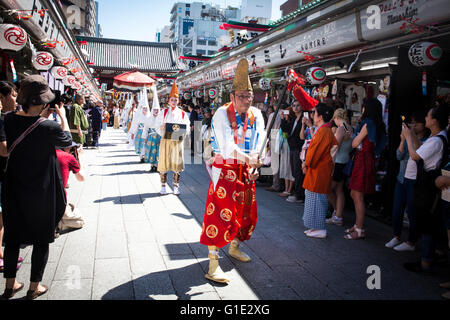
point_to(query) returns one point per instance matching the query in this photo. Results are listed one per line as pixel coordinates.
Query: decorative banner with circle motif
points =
(316, 75)
(424, 54)
(212, 93)
(43, 61)
(12, 37)
(59, 73)
(187, 96)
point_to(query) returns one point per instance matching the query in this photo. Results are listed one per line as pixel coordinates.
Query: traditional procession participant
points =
(173, 132)
(124, 117)
(231, 210)
(137, 126)
(150, 135)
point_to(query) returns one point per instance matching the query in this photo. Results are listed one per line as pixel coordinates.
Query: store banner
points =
(392, 18)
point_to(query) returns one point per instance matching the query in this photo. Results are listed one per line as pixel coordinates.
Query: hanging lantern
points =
(12, 37)
(187, 96)
(212, 93)
(59, 73)
(43, 61)
(265, 84)
(424, 54)
(316, 75)
(69, 81)
(199, 94)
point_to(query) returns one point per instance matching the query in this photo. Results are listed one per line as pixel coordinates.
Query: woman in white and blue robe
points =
(137, 126)
(150, 135)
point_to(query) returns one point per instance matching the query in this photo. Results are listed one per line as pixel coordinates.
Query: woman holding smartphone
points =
(343, 136)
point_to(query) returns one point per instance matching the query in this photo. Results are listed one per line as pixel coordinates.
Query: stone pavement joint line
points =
(139, 245)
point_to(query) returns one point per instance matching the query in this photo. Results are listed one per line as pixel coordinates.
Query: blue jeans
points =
(404, 198)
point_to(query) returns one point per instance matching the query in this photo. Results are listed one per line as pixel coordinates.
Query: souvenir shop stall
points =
(347, 53)
(34, 40)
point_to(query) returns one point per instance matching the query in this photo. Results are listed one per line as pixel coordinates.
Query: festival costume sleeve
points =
(223, 134)
(135, 124)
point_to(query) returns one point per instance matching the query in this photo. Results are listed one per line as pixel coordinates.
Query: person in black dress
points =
(33, 195)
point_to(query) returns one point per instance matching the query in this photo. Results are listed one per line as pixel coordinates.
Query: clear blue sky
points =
(139, 19)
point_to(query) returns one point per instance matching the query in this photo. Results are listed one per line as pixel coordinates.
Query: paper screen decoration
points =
(59, 73)
(316, 75)
(424, 54)
(12, 37)
(212, 93)
(43, 61)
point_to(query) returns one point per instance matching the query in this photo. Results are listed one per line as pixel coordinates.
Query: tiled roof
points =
(123, 55)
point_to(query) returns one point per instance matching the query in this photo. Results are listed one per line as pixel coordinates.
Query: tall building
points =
(292, 5)
(81, 16)
(163, 35)
(98, 32)
(256, 10)
(195, 26)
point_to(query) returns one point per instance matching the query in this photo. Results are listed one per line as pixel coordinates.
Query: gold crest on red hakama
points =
(231, 176)
(210, 209)
(212, 231)
(227, 236)
(221, 193)
(226, 215)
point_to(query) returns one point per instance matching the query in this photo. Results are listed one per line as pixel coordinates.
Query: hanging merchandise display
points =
(12, 37)
(43, 61)
(212, 93)
(59, 73)
(265, 84)
(424, 54)
(316, 75)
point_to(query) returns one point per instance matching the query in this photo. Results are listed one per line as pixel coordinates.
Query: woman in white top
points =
(137, 125)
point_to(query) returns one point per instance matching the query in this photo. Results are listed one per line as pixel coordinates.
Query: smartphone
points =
(56, 101)
(286, 112)
(306, 115)
(403, 118)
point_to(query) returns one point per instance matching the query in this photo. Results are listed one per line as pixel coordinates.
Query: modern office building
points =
(195, 26)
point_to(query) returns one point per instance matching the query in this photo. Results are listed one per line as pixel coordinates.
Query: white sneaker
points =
(319, 234)
(394, 242)
(335, 220)
(291, 199)
(176, 191)
(163, 191)
(405, 247)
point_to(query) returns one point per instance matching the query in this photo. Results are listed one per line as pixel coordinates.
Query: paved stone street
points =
(139, 245)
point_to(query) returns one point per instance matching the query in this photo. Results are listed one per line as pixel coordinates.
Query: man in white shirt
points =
(231, 211)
